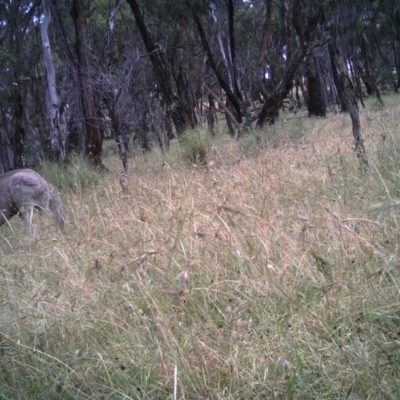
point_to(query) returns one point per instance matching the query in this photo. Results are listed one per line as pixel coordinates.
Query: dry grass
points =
(262, 274)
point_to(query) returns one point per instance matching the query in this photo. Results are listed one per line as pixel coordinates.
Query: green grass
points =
(195, 146)
(270, 272)
(77, 176)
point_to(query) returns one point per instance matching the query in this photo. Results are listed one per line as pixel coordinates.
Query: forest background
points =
(74, 73)
(251, 251)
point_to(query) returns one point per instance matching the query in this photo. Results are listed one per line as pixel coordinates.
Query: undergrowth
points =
(76, 176)
(259, 275)
(195, 146)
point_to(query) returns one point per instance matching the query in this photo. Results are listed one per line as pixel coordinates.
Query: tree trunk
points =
(25, 151)
(167, 122)
(6, 150)
(396, 45)
(119, 138)
(396, 56)
(270, 109)
(186, 98)
(366, 67)
(211, 117)
(348, 98)
(304, 26)
(111, 98)
(77, 138)
(336, 78)
(226, 85)
(19, 130)
(94, 134)
(56, 120)
(315, 87)
(162, 72)
(6, 154)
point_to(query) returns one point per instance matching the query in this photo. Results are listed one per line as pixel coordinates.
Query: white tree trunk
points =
(224, 56)
(56, 116)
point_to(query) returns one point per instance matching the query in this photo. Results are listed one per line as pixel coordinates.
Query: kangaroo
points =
(22, 191)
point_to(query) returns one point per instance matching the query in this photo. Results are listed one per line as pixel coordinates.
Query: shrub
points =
(195, 146)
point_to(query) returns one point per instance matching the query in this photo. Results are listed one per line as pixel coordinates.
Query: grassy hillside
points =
(271, 272)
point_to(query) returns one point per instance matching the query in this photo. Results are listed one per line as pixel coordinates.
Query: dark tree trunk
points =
(211, 114)
(304, 26)
(369, 83)
(120, 138)
(396, 45)
(229, 120)
(396, 56)
(186, 98)
(357, 80)
(111, 97)
(93, 132)
(216, 67)
(348, 98)
(270, 110)
(316, 88)
(168, 129)
(261, 61)
(144, 133)
(161, 70)
(6, 153)
(167, 122)
(20, 127)
(366, 68)
(6, 149)
(77, 139)
(232, 58)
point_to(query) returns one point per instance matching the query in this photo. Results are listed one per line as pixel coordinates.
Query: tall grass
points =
(195, 146)
(77, 176)
(263, 274)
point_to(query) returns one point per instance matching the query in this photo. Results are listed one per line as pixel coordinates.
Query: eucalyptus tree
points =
(20, 92)
(91, 59)
(274, 53)
(57, 113)
(220, 51)
(391, 20)
(112, 95)
(174, 88)
(365, 50)
(292, 26)
(317, 94)
(340, 61)
(94, 133)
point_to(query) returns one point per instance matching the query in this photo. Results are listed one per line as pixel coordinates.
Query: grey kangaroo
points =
(22, 191)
